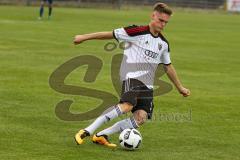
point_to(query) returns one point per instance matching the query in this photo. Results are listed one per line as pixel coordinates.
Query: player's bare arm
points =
(98, 35)
(172, 75)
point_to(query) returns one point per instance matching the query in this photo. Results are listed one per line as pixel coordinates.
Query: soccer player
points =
(148, 49)
(50, 2)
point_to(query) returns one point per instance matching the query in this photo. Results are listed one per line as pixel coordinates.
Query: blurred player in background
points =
(50, 2)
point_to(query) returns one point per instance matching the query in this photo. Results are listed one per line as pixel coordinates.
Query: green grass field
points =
(204, 50)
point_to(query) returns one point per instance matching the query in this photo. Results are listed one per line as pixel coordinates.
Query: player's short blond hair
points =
(162, 8)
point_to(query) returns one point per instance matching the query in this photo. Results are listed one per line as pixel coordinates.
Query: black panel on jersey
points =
(132, 26)
(114, 36)
(165, 40)
(135, 30)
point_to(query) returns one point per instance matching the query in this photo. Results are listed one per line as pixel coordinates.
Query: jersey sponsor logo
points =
(151, 54)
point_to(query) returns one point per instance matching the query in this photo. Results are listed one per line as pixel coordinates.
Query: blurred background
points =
(202, 4)
(204, 41)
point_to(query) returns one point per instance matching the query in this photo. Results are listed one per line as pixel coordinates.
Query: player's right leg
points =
(108, 115)
(127, 101)
(41, 9)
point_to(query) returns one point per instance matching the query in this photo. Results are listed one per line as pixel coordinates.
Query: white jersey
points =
(142, 54)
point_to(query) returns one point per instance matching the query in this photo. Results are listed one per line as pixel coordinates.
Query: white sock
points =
(107, 115)
(119, 126)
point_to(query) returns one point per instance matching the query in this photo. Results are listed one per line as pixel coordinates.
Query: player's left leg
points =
(50, 6)
(109, 114)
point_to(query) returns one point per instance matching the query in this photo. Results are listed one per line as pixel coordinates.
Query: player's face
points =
(159, 20)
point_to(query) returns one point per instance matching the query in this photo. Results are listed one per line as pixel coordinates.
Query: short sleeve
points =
(121, 34)
(165, 58)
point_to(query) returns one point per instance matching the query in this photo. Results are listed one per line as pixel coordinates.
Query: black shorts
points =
(137, 94)
(49, 1)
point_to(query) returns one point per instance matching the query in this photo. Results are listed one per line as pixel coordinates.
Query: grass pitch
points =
(204, 51)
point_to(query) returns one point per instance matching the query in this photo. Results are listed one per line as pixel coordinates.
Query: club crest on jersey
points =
(159, 46)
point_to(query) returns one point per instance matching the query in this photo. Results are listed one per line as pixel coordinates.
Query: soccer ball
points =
(130, 139)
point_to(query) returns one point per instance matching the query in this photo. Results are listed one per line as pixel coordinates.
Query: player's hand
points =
(184, 91)
(78, 39)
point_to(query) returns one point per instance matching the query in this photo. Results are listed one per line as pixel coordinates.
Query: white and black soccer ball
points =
(130, 139)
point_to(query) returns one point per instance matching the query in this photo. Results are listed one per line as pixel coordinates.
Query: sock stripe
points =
(133, 122)
(126, 86)
(129, 84)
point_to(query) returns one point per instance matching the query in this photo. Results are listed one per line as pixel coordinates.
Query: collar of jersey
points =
(152, 34)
